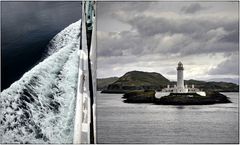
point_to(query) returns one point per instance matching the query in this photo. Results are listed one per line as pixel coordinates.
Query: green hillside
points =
(137, 80)
(103, 83)
(214, 86)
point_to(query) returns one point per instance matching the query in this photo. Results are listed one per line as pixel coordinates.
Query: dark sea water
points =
(119, 122)
(26, 29)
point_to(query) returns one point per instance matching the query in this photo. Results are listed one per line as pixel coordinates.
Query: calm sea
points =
(119, 122)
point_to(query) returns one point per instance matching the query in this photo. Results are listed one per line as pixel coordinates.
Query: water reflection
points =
(180, 107)
(119, 122)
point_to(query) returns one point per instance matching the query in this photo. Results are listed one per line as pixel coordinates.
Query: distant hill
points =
(211, 85)
(214, 86)
(138, 80)
(103, 83)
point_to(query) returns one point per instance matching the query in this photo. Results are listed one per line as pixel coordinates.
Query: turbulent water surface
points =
(39, 108)
(119, 122)
(26, 29)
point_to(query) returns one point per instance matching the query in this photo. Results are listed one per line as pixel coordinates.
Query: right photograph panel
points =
(167, 72)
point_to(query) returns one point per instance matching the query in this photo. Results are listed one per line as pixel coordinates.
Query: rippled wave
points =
(39, 108)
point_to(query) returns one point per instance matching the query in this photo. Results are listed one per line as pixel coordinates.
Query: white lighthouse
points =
(180, 80)
(180, 88)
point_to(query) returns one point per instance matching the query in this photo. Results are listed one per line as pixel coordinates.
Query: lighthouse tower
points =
(180, 88)
(180, 80)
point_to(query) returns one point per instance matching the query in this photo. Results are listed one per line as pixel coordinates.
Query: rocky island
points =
(148, 96)
(139, 96)
(192, 99)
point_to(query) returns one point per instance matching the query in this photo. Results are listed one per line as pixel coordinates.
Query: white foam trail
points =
(66, 36)
(39, 108)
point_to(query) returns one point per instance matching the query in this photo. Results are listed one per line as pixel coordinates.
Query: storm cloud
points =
(229, 66)
(155, 36)
(192, 8)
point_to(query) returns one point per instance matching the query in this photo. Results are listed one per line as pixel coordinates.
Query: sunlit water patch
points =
(39, 108)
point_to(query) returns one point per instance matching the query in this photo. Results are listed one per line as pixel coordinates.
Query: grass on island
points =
(139, 96)
(193, 99)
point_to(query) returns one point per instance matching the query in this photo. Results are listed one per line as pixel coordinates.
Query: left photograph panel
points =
(45, 53)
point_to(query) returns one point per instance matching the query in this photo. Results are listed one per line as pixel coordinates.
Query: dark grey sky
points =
(31, 16)
(154, 36)
(26, 29)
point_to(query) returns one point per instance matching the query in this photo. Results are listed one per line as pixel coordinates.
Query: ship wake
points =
(39, 108)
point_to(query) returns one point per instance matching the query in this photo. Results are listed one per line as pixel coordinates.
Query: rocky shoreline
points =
(139, 96)
(192, 99)
(114, 91)
(148, 96)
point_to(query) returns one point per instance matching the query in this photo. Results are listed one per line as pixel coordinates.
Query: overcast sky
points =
(155, 36)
